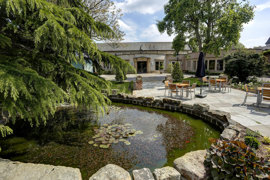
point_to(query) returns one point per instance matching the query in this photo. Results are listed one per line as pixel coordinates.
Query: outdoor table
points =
(182, 86)
(221, 81)
(259, 94)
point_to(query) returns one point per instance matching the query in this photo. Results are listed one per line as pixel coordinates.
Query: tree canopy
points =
(38, 42)
(205, 25)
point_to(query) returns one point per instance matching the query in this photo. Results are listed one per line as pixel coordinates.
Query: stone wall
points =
(219, 119)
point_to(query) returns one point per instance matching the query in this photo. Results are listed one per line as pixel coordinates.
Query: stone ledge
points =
(28, 171)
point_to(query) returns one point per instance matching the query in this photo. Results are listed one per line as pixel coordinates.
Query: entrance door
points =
(142, 67)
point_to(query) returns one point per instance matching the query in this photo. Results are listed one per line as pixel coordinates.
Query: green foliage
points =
(243, 64)
(119, 77)
(5, 130)
(169, 68)
(207, 26)
(253, 133)
(266, 140)
(38, 42)
(177, 73)
(252, 142)
(124, 87)
(235, 160)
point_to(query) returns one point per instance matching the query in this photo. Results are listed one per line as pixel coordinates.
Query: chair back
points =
(194, 85)
(230, 81)
(246, 87)
(213, 81)
(166, 84)
(186, 82)
(204, 79)
(266, 94)
(172, 86)
(266, 85)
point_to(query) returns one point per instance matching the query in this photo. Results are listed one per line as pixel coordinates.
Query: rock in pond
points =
(191, 165)
(143, 174)
(167, 173)
(28, 171)
(111, 172)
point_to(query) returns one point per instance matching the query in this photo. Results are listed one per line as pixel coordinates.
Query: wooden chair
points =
(248, 94)
(166, 87)
(192, 89)
(229, 85)
(173, 89)
(212, 83)
(265, 92)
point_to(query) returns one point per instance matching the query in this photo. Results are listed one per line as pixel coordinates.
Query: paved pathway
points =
(249, 116)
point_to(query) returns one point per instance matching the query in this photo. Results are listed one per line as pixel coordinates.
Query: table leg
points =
(219, 86)
(187, 93)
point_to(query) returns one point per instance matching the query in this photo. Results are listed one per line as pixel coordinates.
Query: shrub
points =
(244, 64)
(169, 68)
(177, 73)
(253, 133)
(252, 142)
(266, 140)
(119, 77)
(235, 160)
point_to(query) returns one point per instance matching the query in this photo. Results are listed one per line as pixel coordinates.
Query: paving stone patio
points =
(250, 116)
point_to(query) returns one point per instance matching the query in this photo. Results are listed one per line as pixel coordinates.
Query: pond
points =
(129, 136)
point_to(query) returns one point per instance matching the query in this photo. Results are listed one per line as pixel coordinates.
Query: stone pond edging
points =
(190, 166)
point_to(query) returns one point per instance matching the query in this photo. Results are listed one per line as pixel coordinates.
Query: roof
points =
(268, 42)
(137, 46)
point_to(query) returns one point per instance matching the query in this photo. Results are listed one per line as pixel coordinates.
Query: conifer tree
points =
(39, 39)
(177, 73)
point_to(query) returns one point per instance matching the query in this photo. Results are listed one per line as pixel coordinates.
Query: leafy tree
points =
(38, 42)
(243, 64)
(206, 26)
(106, 12)
(177, 73)
(169, 68)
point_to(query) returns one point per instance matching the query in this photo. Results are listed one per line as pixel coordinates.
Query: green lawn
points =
(123, 87)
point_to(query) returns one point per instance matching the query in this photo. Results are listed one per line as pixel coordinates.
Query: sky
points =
(140, 17)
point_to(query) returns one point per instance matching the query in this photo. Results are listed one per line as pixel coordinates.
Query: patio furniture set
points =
(262, 93)
(178, 88)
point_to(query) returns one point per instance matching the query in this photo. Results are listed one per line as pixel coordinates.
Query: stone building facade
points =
(154, 57)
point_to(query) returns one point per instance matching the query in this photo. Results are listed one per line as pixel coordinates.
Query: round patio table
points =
(221, 81)
(182, 86)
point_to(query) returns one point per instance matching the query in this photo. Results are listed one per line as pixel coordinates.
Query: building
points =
(154, 57)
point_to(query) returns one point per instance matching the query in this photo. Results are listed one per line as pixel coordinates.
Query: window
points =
(206, 64)
(212, 64)
(188, 65)
(220, 65)
(194, 65)
(159, 65)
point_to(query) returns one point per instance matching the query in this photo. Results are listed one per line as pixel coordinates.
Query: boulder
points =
(167, 173)
(172, 102)
(228, 134)
(28, 171)
(143, 174)
(187, 106)
(191, 165)
(111, 172)
(201, 107)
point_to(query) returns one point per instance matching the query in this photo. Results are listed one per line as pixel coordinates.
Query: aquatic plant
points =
(107, 135)
(234, 159)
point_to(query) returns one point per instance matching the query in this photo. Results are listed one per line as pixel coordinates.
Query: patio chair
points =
(265, 94)
(212, 83)
(248, 94)
(192, 89)
(229, 85)
(173, 89)
(166, 87)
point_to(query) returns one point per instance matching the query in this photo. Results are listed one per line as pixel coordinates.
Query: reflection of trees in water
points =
(175, 133)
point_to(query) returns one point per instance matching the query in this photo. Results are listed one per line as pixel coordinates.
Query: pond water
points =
(156, 138)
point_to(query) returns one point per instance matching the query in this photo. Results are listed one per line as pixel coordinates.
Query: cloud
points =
(152, 34)
(130, 28)
(141, 6)
(263, 6)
